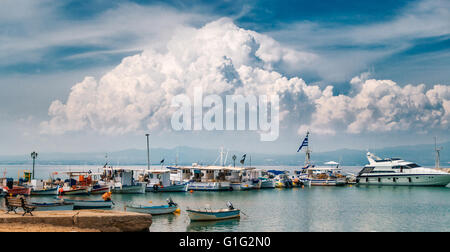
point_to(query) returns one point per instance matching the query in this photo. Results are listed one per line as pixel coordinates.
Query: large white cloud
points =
(225, 59)
(382, 106)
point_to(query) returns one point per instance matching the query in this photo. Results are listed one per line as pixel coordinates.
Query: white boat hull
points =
(405, 180)
(209, 186)
(173, 188)
(267, 184)
(152, 210)
(135, 189)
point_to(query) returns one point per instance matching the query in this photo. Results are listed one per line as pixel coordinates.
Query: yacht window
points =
(410, 180)
(413, 165)
(379, 180)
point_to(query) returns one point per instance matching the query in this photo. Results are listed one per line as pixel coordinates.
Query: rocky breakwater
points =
(92, 220)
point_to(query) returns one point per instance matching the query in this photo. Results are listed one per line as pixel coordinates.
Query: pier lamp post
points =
(234, 161)
(148, 151)
(34, 156)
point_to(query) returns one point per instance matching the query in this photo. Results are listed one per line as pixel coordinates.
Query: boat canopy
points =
(276, 172)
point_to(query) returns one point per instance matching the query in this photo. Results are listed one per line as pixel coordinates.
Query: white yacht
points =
(395, 171)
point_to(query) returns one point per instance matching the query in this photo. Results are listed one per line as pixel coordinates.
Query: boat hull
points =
(80, 191)
(209, 186)
(134, 189)
(101, 190)
(154, 210)
(267, 184)
(51, 191)
(89, 204)
(406, 180)
(53, 206)
(16, 190)
(173, 188)
(195, 215)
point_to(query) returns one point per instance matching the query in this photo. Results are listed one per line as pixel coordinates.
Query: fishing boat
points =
(73, 190)
(89, 204)
(53, 206)
(121, 181)
(159, 181)
(171, 207)
(129, 189)
(250, 185)
(17, 190)
(267, 183)
(281, 179)
(202, 178)
(44, 191)
(250, 179)
(100, 189)
(212, 215)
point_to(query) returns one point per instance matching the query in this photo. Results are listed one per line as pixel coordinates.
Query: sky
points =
(81, 76)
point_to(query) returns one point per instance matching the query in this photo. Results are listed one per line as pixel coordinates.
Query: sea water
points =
(346, 208)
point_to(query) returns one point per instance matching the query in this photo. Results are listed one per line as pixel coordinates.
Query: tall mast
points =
(308, 151)
(148, 151)
(438, 156)
(176, 158)
(221, 156)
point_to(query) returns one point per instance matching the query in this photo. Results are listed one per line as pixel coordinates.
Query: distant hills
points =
(422, 154)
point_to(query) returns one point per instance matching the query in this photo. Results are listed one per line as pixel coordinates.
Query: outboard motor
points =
(230, 206)
(171, 203)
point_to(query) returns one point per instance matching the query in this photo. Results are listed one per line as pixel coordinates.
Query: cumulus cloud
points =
(382, 106)
(224, 59)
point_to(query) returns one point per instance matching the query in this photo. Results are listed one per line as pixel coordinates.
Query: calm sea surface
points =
(349, 208)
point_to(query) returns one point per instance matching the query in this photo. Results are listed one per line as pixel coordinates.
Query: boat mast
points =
(148, 151)
(176, 158)
(308, 151)
(221, 156)
(438, 156)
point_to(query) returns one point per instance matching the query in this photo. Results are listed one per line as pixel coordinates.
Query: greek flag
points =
(243, 158)
(304, 143)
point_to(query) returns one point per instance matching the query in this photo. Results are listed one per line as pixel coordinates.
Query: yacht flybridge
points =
(396, 171)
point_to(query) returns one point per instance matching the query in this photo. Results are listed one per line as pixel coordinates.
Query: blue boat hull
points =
(196, 215)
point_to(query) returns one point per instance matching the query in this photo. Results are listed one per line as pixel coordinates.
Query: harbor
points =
(349, 207)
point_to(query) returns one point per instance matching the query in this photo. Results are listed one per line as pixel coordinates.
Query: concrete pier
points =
(81, 220)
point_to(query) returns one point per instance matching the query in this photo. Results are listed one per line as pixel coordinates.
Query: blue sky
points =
(48, 46)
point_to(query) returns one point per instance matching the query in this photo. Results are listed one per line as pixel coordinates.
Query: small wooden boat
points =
(47, 191)
(53, 206)
(212, 215)
(89, 204)
(171, 207)
(17, 190)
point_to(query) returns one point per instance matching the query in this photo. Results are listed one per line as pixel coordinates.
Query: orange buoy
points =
(191, 191)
